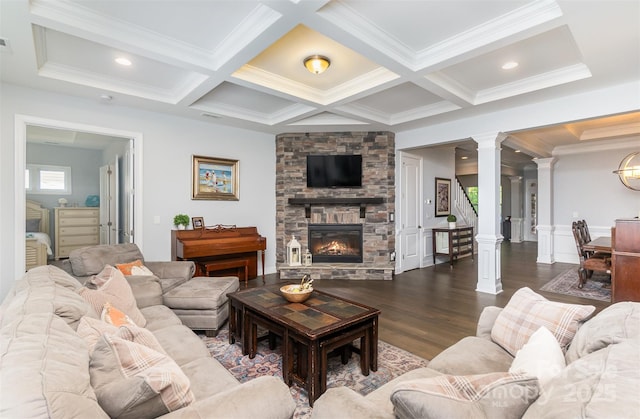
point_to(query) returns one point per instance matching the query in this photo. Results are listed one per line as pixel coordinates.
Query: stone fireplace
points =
(298, 207)
(335, 243)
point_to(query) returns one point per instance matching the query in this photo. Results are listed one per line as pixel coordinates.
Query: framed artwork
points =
(215, 178)
(443, 197)
(197, 222)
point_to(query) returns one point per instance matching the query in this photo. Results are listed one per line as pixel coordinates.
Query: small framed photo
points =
(443, 197)
(197, 222)
(215, 179)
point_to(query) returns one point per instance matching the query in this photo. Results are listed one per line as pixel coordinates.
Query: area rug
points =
(598, 287)
(392, 362)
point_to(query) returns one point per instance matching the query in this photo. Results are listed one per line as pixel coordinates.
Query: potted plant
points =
(452, 220)
(181, 221)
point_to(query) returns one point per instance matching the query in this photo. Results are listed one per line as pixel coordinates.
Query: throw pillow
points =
(614, 324)
(91, 330)
(134, 381)
(540, 357)
(141, 271)
(33, 225)
(494, 395)
(115, 290)
(114, 317)
(527, 311)
(125, 268)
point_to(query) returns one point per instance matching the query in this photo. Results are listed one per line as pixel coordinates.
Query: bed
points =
(38, 241)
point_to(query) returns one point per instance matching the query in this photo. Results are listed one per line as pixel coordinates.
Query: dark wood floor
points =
(426, 310)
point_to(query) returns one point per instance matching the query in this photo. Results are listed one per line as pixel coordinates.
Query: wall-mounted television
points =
(334, 171)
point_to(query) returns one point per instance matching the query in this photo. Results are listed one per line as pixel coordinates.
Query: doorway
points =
(133, 201)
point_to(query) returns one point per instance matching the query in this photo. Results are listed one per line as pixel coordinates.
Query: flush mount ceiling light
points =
(123, 61)
(317, 63)
(509, 65)
(629, 171)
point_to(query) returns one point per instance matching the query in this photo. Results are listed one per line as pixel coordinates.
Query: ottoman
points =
(201, 302)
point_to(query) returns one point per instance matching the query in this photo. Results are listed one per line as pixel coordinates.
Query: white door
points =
(109, 191)
(127, 193)
(410, 198)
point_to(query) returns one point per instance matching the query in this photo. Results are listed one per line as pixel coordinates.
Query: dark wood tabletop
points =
(599, 244)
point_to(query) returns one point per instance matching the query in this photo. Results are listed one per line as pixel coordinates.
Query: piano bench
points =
(201, 303)
(241, 264)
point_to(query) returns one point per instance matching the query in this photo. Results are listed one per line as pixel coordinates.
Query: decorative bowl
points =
(295, 296)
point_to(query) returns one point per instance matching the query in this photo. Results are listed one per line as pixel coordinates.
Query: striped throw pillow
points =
(527, 311)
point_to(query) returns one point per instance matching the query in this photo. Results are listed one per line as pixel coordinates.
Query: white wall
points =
(585, 188)
(168, 144)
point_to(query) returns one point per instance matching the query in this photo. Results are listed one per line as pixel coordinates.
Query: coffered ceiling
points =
(395, 65)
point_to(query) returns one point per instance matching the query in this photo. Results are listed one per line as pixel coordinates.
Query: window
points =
(472, 193)
(41, 179)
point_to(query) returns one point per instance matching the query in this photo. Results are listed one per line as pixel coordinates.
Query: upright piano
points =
(219, 243)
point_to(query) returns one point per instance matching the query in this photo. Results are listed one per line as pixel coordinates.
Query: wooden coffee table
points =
(309, 331)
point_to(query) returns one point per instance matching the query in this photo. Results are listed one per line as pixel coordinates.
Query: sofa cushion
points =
(115, 290)
(45, 370)
(174, 340)
(47, 289)
(472, 355)
(602, 384)
(614, 324)
(527, 311)
(158, 317)
(494, 395)
(90, 260)
(540, 357)
(134, 381)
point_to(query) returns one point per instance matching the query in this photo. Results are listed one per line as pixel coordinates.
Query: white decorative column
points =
(489, 238)
(545, 226)
(516, 209)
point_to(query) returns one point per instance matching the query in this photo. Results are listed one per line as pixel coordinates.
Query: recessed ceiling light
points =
(509, 65)
(123, 61)
(464, 158)
(516, 151)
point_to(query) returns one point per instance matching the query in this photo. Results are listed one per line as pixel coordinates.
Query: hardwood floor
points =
(426, 310)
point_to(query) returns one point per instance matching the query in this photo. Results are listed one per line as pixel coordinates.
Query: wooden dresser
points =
(625, 261)
(75, 228)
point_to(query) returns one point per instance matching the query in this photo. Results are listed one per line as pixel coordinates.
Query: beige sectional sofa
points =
(599, 375)
(47, 369)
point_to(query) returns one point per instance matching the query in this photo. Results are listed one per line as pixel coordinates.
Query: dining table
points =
(599, 244)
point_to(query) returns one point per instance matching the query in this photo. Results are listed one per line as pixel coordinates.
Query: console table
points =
(452, 242)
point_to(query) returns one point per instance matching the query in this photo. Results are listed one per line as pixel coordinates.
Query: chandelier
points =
(629, 171)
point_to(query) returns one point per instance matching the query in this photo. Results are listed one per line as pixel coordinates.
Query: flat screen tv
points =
(334, 171)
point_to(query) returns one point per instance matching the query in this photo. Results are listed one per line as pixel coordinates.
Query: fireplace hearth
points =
(335, 243)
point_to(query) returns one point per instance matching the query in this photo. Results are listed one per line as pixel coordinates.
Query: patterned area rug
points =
(392, 362)
(598, 287)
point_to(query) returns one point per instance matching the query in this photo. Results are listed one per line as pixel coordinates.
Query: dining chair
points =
(589, 261)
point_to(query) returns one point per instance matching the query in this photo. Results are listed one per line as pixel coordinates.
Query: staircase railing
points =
(464, 207)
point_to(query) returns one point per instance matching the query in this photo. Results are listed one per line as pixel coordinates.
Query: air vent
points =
(211, 115)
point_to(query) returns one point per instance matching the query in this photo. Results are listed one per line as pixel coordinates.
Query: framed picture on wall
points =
(215, 179)
(443, 197)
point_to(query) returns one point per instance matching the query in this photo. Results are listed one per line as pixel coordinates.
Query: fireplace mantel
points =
(362, 202)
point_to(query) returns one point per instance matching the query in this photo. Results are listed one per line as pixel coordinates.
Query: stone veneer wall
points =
(378, 181)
